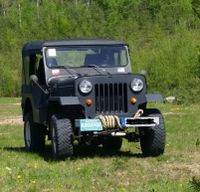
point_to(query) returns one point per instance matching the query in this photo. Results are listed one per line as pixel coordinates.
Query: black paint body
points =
(111, 93)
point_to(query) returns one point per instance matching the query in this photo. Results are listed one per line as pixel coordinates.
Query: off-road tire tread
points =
(63, 131)
(37, 135)
(153, 142)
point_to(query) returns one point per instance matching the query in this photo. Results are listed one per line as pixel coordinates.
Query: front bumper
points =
(96, 125)
(129, 122)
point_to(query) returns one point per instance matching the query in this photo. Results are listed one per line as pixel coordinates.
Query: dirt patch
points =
(17, 104)
(11, 120)
(183, 169)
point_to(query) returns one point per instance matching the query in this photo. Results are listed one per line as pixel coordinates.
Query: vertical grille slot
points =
(111, 98)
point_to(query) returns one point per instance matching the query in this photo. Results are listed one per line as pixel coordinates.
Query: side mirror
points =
(33, 78)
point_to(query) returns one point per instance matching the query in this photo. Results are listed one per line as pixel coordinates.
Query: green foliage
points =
(164, 37)
(171, 63)
(195, 184)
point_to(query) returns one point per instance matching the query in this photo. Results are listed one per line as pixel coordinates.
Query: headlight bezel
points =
(87, 85)
(137, 85)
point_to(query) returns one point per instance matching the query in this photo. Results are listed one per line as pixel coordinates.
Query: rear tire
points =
(61, 137)
(34, 134)
(152, 140)
(112, 143)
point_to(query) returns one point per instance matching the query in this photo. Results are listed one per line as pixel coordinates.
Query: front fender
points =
(154, 98)
(63, 101)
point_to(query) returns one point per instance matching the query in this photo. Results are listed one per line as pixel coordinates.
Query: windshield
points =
(79, 56)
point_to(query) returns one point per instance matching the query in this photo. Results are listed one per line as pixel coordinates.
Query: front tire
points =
(61, 137)
(152, 140)
(34, 134)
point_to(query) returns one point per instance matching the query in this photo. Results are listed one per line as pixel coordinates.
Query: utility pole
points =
(88, 2)
(20, 15)
(38, 10)
(3, 7)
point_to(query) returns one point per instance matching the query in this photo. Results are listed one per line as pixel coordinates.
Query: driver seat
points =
(93, 59)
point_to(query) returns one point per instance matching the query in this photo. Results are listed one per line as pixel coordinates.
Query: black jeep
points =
(84, 90)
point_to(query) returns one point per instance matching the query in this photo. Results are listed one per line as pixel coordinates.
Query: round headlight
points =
(137, 85)
(85, 86)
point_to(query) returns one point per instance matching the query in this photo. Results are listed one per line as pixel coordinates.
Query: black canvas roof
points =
(38, 45)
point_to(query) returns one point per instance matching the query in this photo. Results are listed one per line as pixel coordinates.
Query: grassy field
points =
(92, 169)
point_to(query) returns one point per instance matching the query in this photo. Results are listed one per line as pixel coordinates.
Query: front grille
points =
(111, 98)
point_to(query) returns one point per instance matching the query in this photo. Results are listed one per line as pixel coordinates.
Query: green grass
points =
(92, 169)
(10, 106)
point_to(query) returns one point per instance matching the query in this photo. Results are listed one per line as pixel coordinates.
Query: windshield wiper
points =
(69, 70)
(98, 69)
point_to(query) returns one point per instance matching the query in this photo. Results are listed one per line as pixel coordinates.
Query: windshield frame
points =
(92, 46)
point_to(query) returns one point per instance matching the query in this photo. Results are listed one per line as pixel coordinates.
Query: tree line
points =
(164, 37)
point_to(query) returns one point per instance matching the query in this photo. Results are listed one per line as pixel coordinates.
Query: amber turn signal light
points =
(88, 102)
(133, 100)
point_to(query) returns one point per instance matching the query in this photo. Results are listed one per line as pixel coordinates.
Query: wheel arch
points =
(70, 111)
